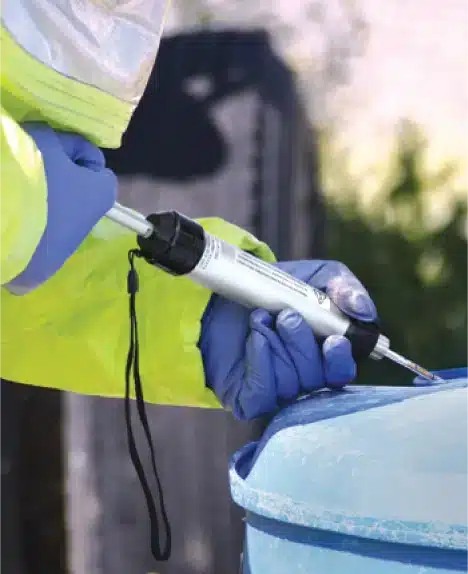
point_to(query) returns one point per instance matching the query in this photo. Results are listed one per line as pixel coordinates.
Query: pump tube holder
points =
(180, 246)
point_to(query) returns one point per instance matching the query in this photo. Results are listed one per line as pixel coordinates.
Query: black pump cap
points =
(176, 245)
(363, 337)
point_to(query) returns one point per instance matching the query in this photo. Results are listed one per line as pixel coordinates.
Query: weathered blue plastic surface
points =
(368, 480)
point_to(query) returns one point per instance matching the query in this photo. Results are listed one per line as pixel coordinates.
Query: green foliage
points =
(417, 275)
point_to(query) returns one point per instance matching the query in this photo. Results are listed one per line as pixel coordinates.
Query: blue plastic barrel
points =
(370, 480)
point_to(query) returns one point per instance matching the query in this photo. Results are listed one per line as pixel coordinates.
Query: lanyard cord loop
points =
(160, 552)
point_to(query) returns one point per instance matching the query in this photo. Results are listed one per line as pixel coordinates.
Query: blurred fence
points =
(219, 132)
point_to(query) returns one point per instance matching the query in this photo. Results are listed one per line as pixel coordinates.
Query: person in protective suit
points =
(71, 75)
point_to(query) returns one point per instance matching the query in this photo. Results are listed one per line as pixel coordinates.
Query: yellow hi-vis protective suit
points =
(82, 66)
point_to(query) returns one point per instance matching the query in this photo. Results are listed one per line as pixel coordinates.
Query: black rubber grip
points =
(363, 337)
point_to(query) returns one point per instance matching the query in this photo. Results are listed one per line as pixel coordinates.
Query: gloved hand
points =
(255, 362)
(80, 190)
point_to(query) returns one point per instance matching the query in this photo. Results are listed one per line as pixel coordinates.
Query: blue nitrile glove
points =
(80, 190)
(255, 362)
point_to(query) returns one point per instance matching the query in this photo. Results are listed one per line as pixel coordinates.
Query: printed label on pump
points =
(280, 277)
(212, 251)
(273, 273)
(217, 251)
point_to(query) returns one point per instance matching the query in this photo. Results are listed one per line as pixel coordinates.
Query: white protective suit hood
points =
(108, 44)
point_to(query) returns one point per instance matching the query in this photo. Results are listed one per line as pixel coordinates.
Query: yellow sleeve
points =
(23, 198)
(72, 333)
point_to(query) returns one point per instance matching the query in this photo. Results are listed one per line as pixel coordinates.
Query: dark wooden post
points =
(12, 561)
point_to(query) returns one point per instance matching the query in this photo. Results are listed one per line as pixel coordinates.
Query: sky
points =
(415, 66)
(411, 63)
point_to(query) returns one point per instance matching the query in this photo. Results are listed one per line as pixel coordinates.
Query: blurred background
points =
(331, 129)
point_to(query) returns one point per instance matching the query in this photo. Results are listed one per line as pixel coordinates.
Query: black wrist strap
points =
(160, 551)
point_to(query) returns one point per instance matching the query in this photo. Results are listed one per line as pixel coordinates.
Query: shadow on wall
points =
(173, 122)
(416, 275)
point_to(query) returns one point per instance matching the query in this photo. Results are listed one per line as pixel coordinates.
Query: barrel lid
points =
(387, 463)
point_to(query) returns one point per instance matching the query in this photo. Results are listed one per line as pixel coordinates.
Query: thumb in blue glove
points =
(80, 190)
(255, 362)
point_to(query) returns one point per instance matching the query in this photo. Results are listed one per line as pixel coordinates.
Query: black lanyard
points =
(160, 552)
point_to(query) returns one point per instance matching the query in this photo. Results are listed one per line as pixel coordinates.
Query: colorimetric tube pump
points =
(180, 246)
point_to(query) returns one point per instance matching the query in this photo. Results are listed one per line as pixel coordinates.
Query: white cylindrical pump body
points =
(241, 277)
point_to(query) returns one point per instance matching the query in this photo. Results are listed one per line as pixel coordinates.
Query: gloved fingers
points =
(44, 137)
(343, 287)
(77, 148)
(303, 349)
(303, 270)
(338, 363)
(283, 370)
(338, 282)
(257, 392)
(103, 186)
(223, 348)
(81, 151)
